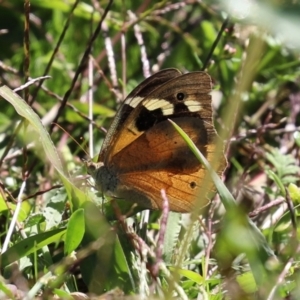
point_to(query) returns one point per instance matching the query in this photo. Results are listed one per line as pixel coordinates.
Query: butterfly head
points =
(105, 179)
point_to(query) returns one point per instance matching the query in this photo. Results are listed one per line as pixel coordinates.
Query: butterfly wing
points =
(150, 155)
(132, 100)
(160, 159)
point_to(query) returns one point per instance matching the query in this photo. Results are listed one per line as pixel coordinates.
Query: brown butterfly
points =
(143, 153)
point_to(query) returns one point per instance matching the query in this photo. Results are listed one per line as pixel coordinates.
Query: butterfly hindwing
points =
(167, 164)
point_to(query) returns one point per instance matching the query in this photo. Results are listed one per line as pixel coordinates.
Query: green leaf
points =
(294, 193)
(107, 267)
(277, 180)
(75, 231)
(62, 294)
(54, 207)
(171, 236)
(31, 245)
(247, 282)
(76, 196)
(5, 206)
(122, 269)
(286, 168)
(197, 278)
(24, 110)
(34, 219)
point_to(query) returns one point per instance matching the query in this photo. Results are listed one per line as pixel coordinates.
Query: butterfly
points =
(142, 152)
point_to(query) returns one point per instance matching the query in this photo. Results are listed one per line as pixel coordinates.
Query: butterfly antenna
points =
(72, 139)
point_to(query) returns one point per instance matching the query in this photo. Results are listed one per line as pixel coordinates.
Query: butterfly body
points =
(143, 153)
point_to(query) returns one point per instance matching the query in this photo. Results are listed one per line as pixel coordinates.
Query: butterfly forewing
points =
(132, 100)
(162, 104)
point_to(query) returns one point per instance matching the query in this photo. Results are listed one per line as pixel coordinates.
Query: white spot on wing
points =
(134, 102)
(192, 105)
(166, 107)
(167, 111)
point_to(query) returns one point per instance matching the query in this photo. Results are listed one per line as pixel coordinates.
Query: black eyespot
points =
(180, 96)
(193, 184)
